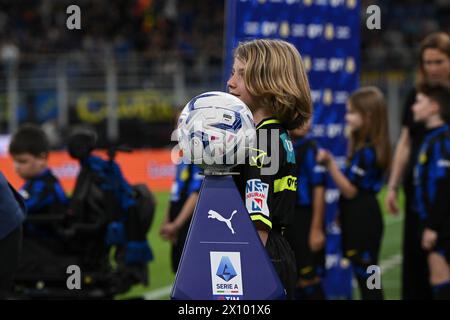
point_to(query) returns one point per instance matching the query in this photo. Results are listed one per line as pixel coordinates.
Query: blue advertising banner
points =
(223, 258)
(326, 32)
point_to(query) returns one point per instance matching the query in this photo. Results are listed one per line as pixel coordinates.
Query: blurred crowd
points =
(188, 29)
(193, 30)
(404, 23)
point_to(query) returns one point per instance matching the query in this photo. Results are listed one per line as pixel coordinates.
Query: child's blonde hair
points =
(369, 102)
(275, 76)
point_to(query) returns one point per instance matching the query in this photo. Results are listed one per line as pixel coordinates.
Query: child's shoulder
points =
(306, 143)
(445, 142)
(438, 139)
(46, 174)
(366, 152)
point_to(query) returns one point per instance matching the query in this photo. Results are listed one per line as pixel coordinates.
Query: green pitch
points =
(161, 276)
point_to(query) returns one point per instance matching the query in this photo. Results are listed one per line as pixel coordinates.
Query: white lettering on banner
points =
(340, 97)
(337, 97)
(315, 30)
(343, 32)
(336, 3)
(156, 170)
(335, 64)
(298, 30)
(334, 130)
(269, 28)
(331, 131)
(321, 2)
(251, 28)
(315, 95)
(318, 130)
(320, 64)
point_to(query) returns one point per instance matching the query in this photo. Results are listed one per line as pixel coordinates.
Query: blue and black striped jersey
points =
(310, 173)
(431, 175)
(362, 170)
(44, 194)
(188, 179)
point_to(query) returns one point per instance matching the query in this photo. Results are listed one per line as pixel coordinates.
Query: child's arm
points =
(348, 190)
(263, 231)
(162, 229)
(170, 230)
(399, 163)
(317, 236)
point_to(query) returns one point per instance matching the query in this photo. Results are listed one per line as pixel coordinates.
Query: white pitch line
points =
(158, 293)
(391, 262)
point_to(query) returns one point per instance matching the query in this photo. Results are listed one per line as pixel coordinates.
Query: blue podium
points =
(223, 257)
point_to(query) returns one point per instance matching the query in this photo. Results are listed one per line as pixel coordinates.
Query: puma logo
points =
(215, 215)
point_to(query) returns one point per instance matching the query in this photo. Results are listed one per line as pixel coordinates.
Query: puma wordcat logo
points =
(215, 215)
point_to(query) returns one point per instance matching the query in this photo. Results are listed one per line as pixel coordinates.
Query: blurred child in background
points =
(183, 198)
(307, 232)
(42, 191)
(432, 183)
(360, 181)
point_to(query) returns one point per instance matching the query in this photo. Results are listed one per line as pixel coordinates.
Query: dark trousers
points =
(415, 273)
(10, 248)
(177, 248)
(283, 259)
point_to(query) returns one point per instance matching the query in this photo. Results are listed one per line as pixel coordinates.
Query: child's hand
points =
(392, 201)
(169, 231)
(316, 239)
(429, 238)
(324, 157)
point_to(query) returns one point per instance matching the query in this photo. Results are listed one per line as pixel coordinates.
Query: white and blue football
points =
(216, 131)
